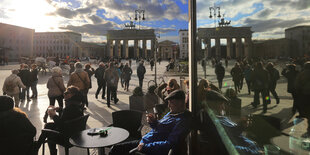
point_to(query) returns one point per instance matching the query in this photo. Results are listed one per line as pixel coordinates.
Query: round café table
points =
(114, 136)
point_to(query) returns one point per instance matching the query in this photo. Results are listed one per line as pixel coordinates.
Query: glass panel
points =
(245, 77)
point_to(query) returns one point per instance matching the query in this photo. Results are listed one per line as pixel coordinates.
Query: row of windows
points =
(39, 48)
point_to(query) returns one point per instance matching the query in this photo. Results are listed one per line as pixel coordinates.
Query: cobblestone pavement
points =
(100, 114)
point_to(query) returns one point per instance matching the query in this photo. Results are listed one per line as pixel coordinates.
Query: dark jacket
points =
(260, 78)
(274, 76)
(236, 73)
(302, 82)
(25, 76)
(90, 73)
(16, 133)
(127, 71)
(219, 71)
(34, 75)
(141, 71)
(71, 111)
(99, 74)
(291, 76)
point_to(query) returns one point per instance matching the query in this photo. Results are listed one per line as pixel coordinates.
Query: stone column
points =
(153, 44)
(208, 48)
(117, 48)
(218, 47)
(110, 48)
(238, 47)
(247, 47)
(229, 47)
(136, 49)
(125, 48)
(144, 53)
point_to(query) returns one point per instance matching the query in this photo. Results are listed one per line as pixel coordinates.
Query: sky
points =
(93, 18)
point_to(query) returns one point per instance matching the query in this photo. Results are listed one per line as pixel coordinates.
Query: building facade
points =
(168, 49)
(92, 50)
(15, 41)
(275, 48)
(183, 42)
(302, 35)
(54, 44)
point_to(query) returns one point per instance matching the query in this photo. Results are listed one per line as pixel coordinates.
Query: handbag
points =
(58, 87)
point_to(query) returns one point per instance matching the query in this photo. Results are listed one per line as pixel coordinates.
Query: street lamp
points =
(139, 15)
(155, 55)
(214, 9)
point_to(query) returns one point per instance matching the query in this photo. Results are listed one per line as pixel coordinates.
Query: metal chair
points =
(70, 127)
(129, 120)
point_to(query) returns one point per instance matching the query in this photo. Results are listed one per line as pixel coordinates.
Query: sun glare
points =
(32, 14)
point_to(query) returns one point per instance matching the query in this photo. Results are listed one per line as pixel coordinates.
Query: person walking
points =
(140, 72)
(80, 79)
(99, 75)
(203, 65)
(56, 87)
(90, 71)
(12, 85)
(236, 74)
(111, 77)
(274, 77)
(290, 73)
(247, 75)
(302, 87)
(260, 78)
(25, 76)
(34, 78)
(220, 73)
(152, 64)
(127, 71)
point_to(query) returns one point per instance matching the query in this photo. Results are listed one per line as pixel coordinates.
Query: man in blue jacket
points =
(166, 133)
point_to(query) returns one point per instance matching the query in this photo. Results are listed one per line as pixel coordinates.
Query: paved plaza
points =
(100, 114)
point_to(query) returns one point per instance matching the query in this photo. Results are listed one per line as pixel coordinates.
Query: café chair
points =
(70, 127)
(129, 120)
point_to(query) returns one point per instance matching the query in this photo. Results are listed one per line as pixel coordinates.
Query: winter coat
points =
(111, 77)
(291, 76)
(80, 79)
(34, 75)
(219, 71)
(236, 73)
(302, 82)
(90, 74)
(127, 71)
(15, 83)
(99, 74)
(55, 85)
(25, 76)
(141, 71)
(274, 77)
(16, 133)
(260, 78)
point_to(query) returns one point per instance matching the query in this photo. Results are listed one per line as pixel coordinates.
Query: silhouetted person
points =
(140, 72)
(290, 73)
(260, 78)
(220, 73)
(274, 77)
(99, 75)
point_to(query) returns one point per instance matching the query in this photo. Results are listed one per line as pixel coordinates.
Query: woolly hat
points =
(6, 103)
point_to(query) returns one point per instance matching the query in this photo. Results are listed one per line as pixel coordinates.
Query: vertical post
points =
(125, 46)
(238, 47)
(218, 48)
(208, 40)
(144, 51)
(229, 47)
(154, 46)
(136, 49)
(192, 69)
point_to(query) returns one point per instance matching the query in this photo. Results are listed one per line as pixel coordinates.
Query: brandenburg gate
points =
(229, 33)
(126, 35)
